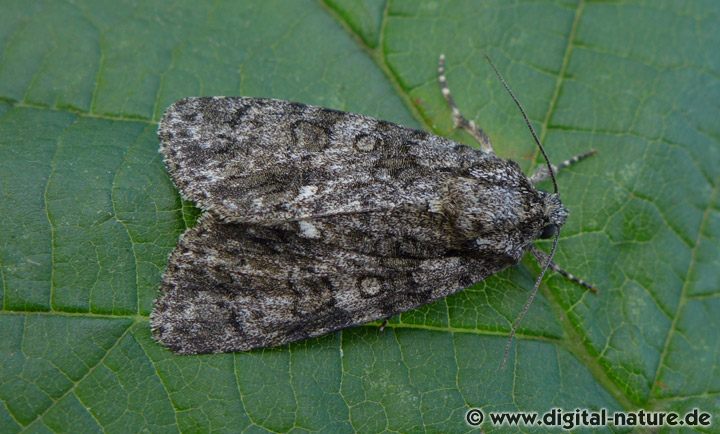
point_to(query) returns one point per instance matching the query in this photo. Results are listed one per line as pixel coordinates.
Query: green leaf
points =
(89, 214)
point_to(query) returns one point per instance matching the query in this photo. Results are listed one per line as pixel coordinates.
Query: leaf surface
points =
(89, 214)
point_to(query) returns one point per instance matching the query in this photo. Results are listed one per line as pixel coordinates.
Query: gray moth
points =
(316, 220)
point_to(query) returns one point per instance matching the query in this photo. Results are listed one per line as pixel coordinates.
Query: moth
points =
(316, 220)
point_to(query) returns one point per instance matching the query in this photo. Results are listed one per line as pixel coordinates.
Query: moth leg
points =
(542, 258)
(542, 173)
(383, 325)
(458, 118)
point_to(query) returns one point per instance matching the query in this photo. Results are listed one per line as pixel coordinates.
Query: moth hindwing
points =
(316, 220)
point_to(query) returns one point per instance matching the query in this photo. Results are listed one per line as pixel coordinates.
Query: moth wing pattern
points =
(263, 160)
(236, 287)
(317, 220)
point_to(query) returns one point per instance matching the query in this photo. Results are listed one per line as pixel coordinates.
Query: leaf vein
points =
(683, 297)
(92, 369)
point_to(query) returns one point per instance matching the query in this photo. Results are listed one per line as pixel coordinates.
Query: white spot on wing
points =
(307, 191)
(308, 230)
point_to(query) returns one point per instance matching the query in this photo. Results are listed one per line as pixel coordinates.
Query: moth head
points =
(555, 214)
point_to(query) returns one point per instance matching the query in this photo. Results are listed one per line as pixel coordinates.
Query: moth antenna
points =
(527, 122)
(533, 294)
(528, 303)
